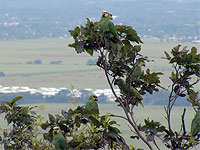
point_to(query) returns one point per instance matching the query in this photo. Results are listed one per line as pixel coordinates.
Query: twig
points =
(132, 130)
(156, 144)
(118, 117)
(183, 121)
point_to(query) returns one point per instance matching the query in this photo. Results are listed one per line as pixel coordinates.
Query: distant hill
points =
(28, 19)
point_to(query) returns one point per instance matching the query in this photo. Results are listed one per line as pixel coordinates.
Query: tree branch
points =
(119, 117)
(130, 120)
(183, 121)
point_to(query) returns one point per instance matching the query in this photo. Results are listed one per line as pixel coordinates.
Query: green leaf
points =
(112, 122)
(110, 57)
(73, 143)
(79, 47)
(51, 118)
(88, 22)
(94, 121)
(90, 51)
(140, 102)
(182, 95)
(106, 117)
(193, 50)
(73, 45)
(113, 129)
(77, 30)
(161, 129)
(16, 99)
(150, 137)
(4, 109)
(137, 48)
(112, 135)
(173, 76)
(64, 128)
(167, 55)
(45, 125)
(9, 103)
(46, 136)
(126, 42)
(134, 137)
(89, 38)
(25, 110)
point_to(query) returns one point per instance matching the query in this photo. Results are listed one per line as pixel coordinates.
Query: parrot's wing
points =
(63, 142)
(128, 91)
(134, 92)
(112, 29)
(195, 125)
(104, 24)
(92, 106)
(135, 76)
(60, 143)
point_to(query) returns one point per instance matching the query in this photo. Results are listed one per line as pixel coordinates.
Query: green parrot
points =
(92, 105)
(124, 87)
(106, 25)
(195, 126)
(59, 141)
(137, 72)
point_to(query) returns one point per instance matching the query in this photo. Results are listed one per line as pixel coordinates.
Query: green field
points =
(15, 55)
(153, 112)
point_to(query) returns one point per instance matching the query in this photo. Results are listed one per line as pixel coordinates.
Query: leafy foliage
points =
(117, 56)
(186, 73)
(121, 61)
(85, 130)
(23, 121)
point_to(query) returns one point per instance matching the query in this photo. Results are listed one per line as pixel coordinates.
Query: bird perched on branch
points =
(195, 126)
(106, 25)
(59, 141)
(127, 90)
(136, 72)
(91, 105)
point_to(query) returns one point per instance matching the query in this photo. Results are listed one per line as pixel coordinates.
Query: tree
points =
(119, 58)
(24, 123)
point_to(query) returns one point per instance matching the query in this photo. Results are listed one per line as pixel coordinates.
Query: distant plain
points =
(73, 69)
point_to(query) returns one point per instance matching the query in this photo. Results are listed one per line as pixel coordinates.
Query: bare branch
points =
(156, 144)
(111, 115)
(183, 121)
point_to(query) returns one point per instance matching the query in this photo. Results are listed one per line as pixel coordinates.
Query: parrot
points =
(124, 87)
(92, 105)
(137, 72)
(59, 141)
(195, 125)
(106, 25)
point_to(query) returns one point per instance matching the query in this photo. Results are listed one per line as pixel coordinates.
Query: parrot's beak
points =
(95, 98)
(55, 132)
(111, 17)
